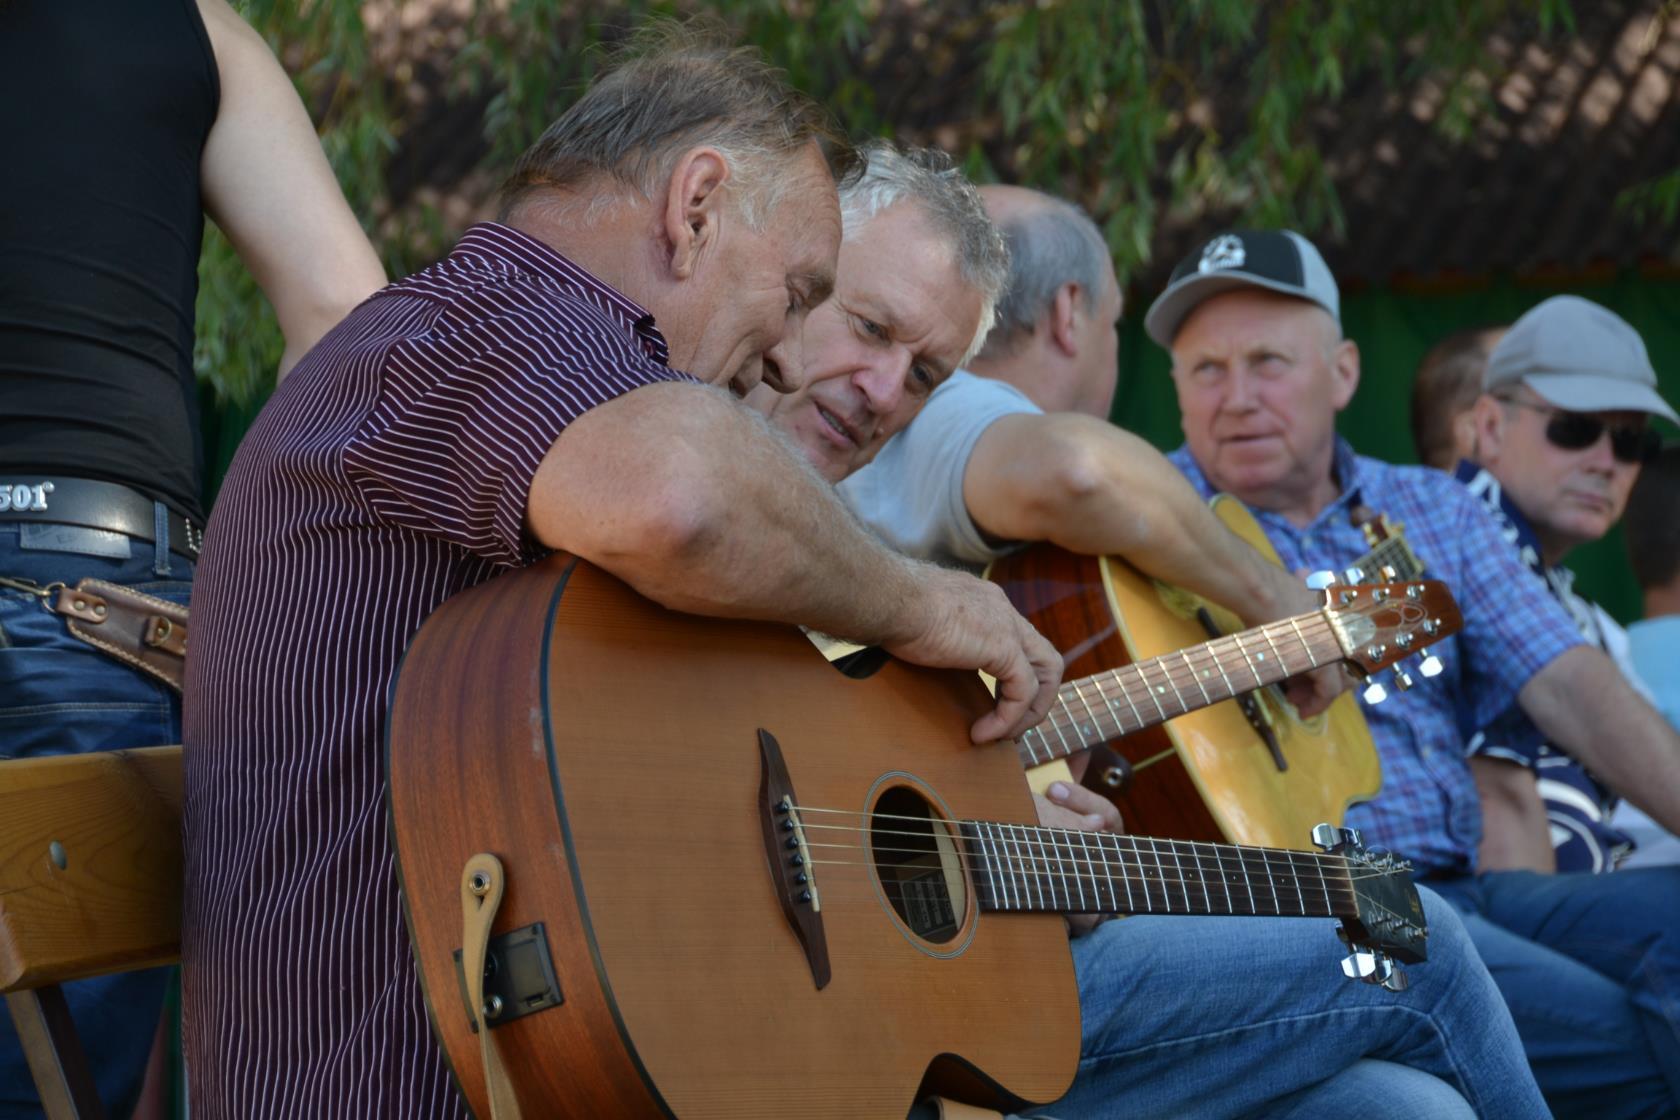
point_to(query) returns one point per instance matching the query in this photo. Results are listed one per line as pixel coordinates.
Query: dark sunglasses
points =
(1572, 431)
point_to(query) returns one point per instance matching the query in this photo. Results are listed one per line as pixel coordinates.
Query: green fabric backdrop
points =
(1393, 329)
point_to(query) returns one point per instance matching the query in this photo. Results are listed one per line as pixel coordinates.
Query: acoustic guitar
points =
(1246, 769)
(815, 897)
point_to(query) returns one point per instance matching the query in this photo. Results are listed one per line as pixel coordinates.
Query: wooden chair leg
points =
(55, 1055)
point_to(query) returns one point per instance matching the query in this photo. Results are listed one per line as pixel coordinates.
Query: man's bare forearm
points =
(692, 500)
(1096, 489)
(1583, 705)
(1515, 833)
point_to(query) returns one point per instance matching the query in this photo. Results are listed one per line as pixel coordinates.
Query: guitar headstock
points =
(1381, 624)
(1389, 924)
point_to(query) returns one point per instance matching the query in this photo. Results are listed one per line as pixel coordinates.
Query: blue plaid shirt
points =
(1428, 808)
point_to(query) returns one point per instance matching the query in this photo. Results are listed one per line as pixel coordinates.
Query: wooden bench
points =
(90, 883)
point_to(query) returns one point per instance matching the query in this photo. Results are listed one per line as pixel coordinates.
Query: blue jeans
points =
(59, 695)
(1251, 1017)
(1590, 967)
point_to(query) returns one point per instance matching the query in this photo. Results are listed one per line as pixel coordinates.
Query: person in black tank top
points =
(126, 121)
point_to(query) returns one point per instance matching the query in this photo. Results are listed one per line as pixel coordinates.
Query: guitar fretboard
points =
(1022, 867)
(1109, 705)
(1391, 552)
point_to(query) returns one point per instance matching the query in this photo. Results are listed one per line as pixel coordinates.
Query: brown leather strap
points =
(142, 631)
(482, 883)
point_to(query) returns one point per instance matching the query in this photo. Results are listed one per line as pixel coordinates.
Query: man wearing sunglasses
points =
(1559, 434)
(1588, 964)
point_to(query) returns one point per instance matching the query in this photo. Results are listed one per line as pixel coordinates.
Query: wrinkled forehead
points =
(1248, 318)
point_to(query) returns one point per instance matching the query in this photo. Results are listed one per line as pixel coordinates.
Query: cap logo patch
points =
(1224, 251)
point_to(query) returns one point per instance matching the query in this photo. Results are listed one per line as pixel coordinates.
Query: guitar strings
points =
(1062, 716)
(1027, 849)
(1170, 668)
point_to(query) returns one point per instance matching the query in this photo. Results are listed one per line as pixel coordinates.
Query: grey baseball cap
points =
(1278, 260)
(1579, 356)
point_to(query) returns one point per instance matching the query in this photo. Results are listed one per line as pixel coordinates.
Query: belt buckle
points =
(23, 497)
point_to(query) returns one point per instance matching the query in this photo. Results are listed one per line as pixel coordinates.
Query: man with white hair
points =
(1169, 1026)
(1587, 963)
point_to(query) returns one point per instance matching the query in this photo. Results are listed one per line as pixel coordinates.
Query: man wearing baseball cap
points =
(1559, 435)
(1587, 963)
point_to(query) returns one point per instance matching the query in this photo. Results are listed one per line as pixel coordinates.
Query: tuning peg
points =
(1375, 693)
(1332, 839)
(1431, 666)
(1319, 580)
(1402, 679)
(1389, 574)
(1354, 575)
(1374, 968)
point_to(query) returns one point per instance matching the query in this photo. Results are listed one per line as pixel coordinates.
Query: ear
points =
(1344, 373)
(1465, 443)
(1065, 309)
(1488, 420)
(693, 208)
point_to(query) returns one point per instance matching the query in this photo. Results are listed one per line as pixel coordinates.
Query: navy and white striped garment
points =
(388, 472)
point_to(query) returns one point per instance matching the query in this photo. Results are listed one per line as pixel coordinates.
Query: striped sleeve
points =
(464, 418)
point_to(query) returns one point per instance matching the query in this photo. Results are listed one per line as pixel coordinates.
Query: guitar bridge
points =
(791, 872)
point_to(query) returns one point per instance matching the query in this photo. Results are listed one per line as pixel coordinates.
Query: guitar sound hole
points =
(917, 862)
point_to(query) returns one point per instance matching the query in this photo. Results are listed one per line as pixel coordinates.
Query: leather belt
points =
(93, 505)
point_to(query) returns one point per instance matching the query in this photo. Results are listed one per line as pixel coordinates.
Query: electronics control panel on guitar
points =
(826, 902)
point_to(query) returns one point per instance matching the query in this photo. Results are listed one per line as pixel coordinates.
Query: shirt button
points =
(1306, 542)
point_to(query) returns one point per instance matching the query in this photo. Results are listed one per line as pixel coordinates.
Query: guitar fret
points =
(1160, 874)
(1270, 641)
(1002, 861)
(1224, 880)
(1035, 874)
(1304, 643)
(1218, 663)
(1126, 695)
(1091, 872)
(1066, 750)
(1089, 737)
(1153, 695)
(1125, 879)
(1266, 862)
(1182, 877)
(1066, 858)
(1248, 661)
(1185, 656)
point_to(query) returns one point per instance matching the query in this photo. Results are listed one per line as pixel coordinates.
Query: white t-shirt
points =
(912, 494)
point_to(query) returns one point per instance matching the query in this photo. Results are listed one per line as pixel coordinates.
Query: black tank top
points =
(104, 110)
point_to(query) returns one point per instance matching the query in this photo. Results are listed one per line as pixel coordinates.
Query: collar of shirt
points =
(1516, 529)
(1345, 466)
(1513, 526)
(495, 244)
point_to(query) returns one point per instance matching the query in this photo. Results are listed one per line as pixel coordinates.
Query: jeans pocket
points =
(65, 700)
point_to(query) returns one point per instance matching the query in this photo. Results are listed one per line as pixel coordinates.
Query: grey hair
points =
(948, 200)
(674, 87)
(1049, 245)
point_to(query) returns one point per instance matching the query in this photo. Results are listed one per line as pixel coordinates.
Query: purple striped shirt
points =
(389, 471)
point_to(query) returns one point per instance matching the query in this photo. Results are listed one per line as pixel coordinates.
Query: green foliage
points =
(1108, 101)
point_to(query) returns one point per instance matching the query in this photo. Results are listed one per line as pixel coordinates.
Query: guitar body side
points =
(1204, 775)
(616, 776)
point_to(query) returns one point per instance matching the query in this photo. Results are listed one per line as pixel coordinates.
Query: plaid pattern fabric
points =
(1428, 809)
